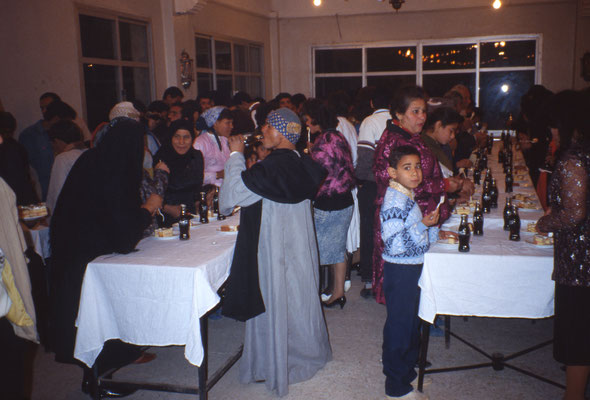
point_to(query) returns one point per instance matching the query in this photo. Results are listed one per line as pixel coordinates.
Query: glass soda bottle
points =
(184, 223)
(203, 209)
(464, 234)
(507, 212)
(514, 225)
(477, 220)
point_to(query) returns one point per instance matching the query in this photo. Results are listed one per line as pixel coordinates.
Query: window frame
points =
(419, 72)
(117, 17)
(214, 71)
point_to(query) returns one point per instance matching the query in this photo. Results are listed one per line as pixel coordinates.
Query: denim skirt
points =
(331, 229)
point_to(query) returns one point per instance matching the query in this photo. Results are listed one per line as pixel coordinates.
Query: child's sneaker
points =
(413, 395)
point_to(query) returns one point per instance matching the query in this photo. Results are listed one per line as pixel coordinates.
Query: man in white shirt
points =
(370, 132)
(66, 140)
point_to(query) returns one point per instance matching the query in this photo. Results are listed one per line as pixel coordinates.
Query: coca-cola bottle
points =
(514, 225)
(464, 234)
(184, 223)
(203, 209)
(509, 180)
(494, 193)
(486, 198)
(477, 220)
(507, 212)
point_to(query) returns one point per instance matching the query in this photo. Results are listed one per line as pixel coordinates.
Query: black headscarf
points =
(186, 170)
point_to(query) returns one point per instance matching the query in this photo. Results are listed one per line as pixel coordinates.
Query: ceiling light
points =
(317, 3)
(497, 4)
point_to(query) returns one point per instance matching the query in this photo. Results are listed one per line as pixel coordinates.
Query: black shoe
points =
(428, 364)
(341, 302)
(366, 293)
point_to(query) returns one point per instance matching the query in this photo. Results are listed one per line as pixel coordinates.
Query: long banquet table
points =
(497, 278)
(156, 295)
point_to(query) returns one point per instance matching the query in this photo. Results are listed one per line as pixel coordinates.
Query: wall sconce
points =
(397, 4)
(186, 70)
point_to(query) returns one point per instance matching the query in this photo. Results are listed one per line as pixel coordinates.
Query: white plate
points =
(165, 237)
(527, 209)
(447, 244)
(33, 218)
(227, 232)
(542, 246)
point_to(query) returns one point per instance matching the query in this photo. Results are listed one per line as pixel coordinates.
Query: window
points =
(502, 69)
(115, 59)
(228, 66)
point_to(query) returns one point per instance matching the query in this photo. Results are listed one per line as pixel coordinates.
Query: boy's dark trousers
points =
(400, 334)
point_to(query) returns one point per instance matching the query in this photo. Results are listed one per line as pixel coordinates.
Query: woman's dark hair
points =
(446, 116)
(263, 110)
(189, 108)
(7, 124)
(397, 153)
(158, 106)
(181, 124)
(340, 102)
(65, 130)
(58, 108)
(403, 97)
(320, 114)
(225, 114)
(563, 113)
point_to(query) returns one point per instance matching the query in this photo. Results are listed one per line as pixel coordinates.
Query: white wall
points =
(39, 50)
(554, 20)
(243, 19)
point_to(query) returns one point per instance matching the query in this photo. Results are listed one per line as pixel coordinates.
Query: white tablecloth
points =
(497, 278)
(38, 238)
(156, 295)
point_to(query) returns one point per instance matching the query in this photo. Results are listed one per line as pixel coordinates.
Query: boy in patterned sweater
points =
(406, 237)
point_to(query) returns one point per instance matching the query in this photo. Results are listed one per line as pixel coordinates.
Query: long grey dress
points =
(289, 342)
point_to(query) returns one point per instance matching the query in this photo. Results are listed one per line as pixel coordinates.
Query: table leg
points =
(203, 368)
(423, 353)
(447, 331)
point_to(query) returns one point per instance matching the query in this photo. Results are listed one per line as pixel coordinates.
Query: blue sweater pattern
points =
(405, 237)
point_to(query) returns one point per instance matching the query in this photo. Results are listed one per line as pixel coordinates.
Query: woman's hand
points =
(162, 165)
(153, 203)
(236, 143)
(172, 210)
(431, 219)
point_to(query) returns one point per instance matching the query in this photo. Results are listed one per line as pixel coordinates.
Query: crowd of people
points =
(376, 175)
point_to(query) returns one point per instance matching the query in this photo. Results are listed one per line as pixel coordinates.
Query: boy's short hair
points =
(396, 154)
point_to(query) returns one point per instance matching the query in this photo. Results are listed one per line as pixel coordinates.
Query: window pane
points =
(204, 82)
(203, 46)
(224, 87)
(242, 83)
(133, 42)
(344, 60)
(324, 86)
(136, 84)
(255, 59)
(392, 82)
(391, 59)
(500, 95)
(240, 58)
(255, 89)
(437, 85)
(451, 56)
(508, 54)
(222, 55)
(98, 37)
(100, 82)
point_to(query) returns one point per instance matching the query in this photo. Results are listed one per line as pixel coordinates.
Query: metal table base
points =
(497, 360)
(205, 383)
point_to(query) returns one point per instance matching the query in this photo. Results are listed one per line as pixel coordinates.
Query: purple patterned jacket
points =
(332, 151)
